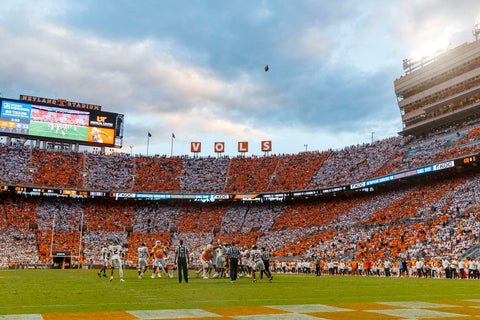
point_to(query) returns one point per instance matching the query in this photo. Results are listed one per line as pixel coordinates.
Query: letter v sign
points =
(196, 146)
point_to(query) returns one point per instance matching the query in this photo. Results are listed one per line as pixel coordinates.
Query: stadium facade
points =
(440, 92)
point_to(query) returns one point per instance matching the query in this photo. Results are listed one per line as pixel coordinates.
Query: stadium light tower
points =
(306, 146)
(476, 30)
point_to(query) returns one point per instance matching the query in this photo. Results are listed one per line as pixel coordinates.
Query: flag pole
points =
(148, 141)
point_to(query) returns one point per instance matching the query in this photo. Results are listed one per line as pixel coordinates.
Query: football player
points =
(116, 254)
(245, 265)
(96, 135)
(104, 258)
(257, 263)
(221, 252)
(159, 252)
(206, 259)
(143, 255)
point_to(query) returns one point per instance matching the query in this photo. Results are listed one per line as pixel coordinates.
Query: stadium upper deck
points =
(25, 166)
(440, 92)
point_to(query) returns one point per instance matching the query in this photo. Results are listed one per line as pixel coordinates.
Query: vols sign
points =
(196, 147)
(219, 146)
(243, 147)
(266, 146)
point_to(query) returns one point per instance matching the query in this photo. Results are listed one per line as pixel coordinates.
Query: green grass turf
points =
(40, 129)
(48, 291)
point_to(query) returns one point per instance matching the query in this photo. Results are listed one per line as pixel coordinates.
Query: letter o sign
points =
(219, 146)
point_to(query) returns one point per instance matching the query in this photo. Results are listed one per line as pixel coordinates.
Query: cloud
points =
(143, 74)
(417, 23)
(313, 42)
(197, 67)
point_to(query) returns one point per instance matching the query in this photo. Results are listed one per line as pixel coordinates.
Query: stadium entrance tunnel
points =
(62, 260)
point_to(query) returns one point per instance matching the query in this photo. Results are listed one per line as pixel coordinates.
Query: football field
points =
(81, 294)
(41, 129)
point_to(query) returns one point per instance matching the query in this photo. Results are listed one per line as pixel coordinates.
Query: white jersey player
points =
(116, 252)
(257, 263)
(143, 256)
(221, 252)
(104, 259)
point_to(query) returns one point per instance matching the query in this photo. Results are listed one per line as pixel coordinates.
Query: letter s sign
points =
(266, 146)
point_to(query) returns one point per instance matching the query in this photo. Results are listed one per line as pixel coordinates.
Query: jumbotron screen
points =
(90, 127)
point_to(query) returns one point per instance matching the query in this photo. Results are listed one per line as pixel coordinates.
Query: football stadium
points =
(382, 230)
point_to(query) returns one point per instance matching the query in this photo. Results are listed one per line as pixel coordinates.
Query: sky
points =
(195, 68)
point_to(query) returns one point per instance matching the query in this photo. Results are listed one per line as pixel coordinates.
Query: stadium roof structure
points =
(441, 91)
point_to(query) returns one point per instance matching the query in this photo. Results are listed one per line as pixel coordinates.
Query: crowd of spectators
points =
(153, 174)
(295, 172)
(201, 175)
(108, 172)
(18, 247)
(57, 169)
(29, 166)
(415, 222)
(15, 164)
(255, 172)
(356, 163)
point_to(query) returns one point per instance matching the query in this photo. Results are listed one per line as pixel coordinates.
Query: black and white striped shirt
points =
(233, 252)
(265, 256)
(181, 252)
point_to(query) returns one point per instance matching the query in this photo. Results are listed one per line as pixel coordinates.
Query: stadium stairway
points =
(454, 138)
(273, 176)
(244, 217)
(472, 252)
(5, 214)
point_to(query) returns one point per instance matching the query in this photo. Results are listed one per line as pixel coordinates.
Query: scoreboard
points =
(48, 121)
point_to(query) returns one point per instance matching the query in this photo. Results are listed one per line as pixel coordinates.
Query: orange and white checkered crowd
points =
(418, 229)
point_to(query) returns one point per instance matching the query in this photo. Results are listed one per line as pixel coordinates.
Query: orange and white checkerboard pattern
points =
(451, 310)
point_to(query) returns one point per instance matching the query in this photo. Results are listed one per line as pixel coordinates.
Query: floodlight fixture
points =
(476, 30)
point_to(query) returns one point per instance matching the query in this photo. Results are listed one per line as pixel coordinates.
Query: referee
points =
(182, 259)
(232, 254)
(266, 262)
